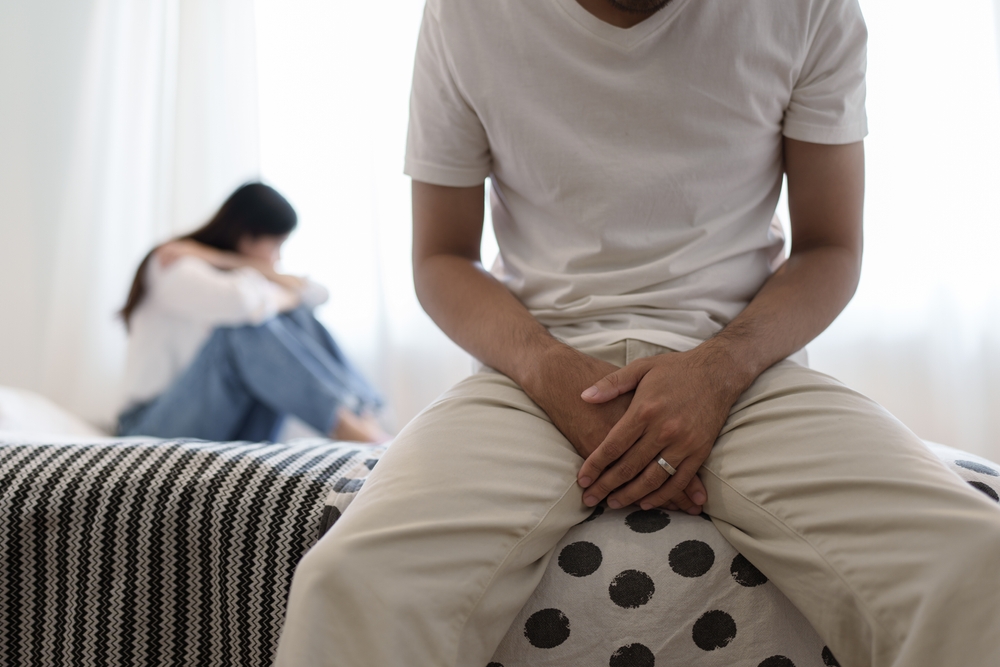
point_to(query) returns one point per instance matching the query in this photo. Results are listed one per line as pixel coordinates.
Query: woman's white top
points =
(184, 303)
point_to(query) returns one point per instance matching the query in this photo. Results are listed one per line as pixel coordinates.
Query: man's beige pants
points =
(891, 557)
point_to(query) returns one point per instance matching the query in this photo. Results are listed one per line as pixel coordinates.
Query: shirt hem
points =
(819, 134)
(448, 176)
(673, 342)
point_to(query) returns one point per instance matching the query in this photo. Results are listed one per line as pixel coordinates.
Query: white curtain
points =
(121, 123)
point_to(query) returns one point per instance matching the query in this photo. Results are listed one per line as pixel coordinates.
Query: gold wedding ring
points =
(666, 466)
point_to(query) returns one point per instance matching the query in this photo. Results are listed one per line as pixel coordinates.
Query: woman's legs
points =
(244, 379)
(262, 424)
(302, 318)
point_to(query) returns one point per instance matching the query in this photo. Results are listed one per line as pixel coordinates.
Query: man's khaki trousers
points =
(891, 557)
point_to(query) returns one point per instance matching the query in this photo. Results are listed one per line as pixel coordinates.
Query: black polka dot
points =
(987, 489)
(598, 511)
(715, 629)
(345, 485)
(705, 516)
(828, 658)
(580, 558)
(494, 664)
(745, 573)
(691, 558)
(776, 661)
(631, 589)
(633, 655)
(547, 628)
(647, 521)
(978, 467)
(370, 464)
(329, 517)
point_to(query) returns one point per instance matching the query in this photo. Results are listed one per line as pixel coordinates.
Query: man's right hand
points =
(561, 376)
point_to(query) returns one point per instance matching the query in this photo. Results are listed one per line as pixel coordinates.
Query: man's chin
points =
(640, 6)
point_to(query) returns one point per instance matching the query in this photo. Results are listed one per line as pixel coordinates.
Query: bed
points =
(137, 551)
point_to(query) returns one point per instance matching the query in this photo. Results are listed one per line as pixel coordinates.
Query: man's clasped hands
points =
(669, 405)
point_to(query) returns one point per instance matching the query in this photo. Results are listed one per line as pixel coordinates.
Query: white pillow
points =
(27, 413)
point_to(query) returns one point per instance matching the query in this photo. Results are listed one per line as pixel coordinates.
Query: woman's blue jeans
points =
(246, 380)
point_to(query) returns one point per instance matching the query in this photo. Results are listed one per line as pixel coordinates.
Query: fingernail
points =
(590, 501)
(698, 497)
(590, 393)
(646, 506)
(614, 504)
(584, 482)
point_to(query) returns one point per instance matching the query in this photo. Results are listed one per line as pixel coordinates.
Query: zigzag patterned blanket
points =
(148, 552)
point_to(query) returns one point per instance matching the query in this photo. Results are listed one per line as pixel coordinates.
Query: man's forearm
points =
(485, 319)
(469, 304)
(802, 298)
(794, 306)
(482, 316)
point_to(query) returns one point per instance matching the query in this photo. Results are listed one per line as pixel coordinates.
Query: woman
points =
(223, 347)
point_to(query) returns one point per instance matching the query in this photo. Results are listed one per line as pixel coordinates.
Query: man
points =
(640, 330)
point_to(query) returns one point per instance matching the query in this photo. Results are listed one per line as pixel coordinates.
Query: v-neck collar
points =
(625, 38)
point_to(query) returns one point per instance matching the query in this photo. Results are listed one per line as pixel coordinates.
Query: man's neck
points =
(609, 13)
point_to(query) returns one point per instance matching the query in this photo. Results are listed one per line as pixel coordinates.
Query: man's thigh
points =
(453, 527)
(849, 513)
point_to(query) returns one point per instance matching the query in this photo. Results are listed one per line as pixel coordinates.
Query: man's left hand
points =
(681, 403)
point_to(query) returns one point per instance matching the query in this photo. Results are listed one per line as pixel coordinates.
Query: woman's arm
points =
(170, 252)
(193, 289)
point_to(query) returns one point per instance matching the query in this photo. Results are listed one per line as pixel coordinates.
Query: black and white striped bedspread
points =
(156, 552)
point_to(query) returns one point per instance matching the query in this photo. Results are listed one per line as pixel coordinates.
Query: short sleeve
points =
(446, 143)
(827, 104)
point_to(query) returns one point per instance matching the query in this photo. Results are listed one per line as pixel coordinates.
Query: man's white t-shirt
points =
(635, 172)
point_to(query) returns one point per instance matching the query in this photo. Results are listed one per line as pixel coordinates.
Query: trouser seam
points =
(868, 612)
(500, 566)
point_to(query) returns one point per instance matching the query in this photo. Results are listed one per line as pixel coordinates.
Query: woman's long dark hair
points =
(253, 210)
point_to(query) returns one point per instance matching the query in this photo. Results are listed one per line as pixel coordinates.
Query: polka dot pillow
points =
(610, 597)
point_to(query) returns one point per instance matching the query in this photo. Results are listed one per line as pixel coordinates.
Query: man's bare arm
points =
(682, 400)
(469, 305)
(485, 319)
